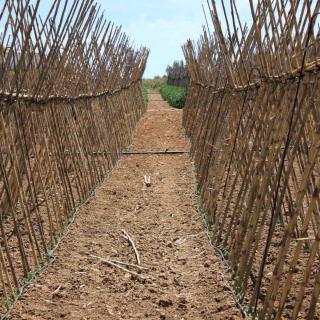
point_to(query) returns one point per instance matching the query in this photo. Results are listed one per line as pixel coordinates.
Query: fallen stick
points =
(128, 238)
(110, 263)
(127, 264)
(55, 292)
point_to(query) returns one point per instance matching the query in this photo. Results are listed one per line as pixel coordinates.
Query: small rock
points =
(127, 276)
(109, 312)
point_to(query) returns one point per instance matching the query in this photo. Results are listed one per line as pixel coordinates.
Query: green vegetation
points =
(145, 93)
(154, 83)
(175, 96)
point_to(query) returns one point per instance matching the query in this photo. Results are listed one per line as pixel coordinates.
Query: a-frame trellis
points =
(70, 97)
(253, 117)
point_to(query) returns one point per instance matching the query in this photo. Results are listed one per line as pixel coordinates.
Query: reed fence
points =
(70, 97)
(253, 117)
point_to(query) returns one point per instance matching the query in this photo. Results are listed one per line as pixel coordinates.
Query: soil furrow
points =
(183, 276)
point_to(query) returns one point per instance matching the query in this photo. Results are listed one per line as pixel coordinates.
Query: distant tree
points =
(178, 74)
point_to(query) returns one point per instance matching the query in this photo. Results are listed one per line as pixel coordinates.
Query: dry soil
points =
(184, 273)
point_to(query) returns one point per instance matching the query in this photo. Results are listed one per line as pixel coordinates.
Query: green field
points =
(175, 96)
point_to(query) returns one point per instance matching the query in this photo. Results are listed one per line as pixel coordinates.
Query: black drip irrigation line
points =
(156, 152)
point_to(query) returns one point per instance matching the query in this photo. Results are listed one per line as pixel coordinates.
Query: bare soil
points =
(184, 276)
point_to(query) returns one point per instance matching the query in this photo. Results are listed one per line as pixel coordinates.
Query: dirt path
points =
(184, 273)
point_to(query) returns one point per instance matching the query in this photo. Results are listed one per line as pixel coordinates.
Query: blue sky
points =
(161, 25)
